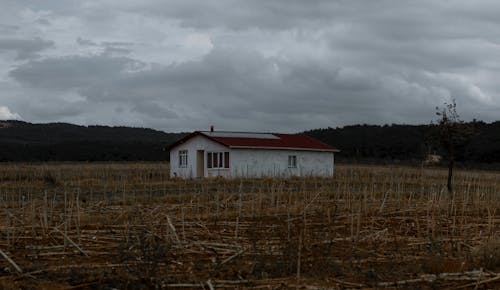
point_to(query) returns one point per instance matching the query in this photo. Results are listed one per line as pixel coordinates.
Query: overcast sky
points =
(260, 65)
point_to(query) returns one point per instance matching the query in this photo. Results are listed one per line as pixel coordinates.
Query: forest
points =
(409, 143)
(22, 141)
(27, 142)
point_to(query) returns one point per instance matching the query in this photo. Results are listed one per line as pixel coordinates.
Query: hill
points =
(408, 142)
(22, 141)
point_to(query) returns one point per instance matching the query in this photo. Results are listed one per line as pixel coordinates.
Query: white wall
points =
(251, 162)
(261, 162)
(192, 146)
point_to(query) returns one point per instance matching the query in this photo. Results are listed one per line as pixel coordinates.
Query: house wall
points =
(193, 145)
(265, 162)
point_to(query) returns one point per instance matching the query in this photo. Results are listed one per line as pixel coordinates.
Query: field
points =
(128, 226)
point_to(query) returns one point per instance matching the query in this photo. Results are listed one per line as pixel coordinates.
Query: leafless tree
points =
(451, 132)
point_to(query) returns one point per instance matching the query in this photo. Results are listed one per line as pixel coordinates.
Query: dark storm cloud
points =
(247, 14)
(72, 72)
(111, 50)
(237, 88)
(117, 43)
(25, 48)
(85, 42)
(53, 108)
(154, 110)
(109, 47)
(43, 21)
(251, 65)
(397, 19)
(8, 28)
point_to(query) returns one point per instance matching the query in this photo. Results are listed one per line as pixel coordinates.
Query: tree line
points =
(411, 143)
(22, 141)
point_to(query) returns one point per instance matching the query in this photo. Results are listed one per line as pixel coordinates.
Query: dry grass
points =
(127, 225)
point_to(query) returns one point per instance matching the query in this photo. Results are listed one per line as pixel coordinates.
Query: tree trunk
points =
(451, 163)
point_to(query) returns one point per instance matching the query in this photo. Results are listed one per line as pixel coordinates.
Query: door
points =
(200, 163)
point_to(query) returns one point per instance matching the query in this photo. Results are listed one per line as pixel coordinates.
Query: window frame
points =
(218, 160)
(209, 160)
(226, 159)
(292, 161)
(183, 158)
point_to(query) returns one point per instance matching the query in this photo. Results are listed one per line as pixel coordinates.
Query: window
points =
(292, 161)
(215, 160)
(209, 160)
(226, 159)
(218, 160)
(183, 158)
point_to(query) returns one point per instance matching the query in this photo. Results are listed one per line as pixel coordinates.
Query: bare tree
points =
(451, 132)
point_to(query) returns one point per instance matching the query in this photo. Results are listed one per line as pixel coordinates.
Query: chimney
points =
(211, 128)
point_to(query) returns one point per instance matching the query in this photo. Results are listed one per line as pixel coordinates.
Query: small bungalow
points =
(243, 154)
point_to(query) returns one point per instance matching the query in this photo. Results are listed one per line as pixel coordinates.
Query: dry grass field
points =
(128, 226)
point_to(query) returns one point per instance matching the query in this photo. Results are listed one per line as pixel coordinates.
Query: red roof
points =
(261, 140)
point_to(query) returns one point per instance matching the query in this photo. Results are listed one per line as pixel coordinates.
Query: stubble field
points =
(128, 226)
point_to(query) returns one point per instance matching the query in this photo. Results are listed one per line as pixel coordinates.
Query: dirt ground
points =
(128, 226)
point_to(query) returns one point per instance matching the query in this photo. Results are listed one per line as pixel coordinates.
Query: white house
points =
(241, 154)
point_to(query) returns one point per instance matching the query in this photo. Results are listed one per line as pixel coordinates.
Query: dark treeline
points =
(22, 141)
(410, 143)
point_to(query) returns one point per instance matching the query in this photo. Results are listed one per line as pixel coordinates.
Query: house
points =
(243, 154)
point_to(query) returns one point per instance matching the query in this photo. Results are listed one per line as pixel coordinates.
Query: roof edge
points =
(285, 148)
(202, 133)
(189, 136)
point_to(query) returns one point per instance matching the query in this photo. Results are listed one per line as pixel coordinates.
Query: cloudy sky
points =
(281, 65)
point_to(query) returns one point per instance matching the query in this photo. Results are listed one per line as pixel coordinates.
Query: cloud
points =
(8, 29)
(240, 15)
(73, 72)
(154, 110)
(249, 65)
(25, 48)
(6, 114)
(244, 89)
(85, 42)
(43, 21)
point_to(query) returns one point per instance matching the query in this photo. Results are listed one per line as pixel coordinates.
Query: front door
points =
(200, 163)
